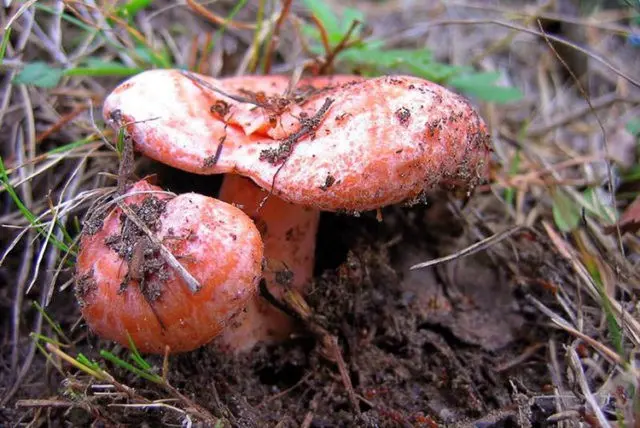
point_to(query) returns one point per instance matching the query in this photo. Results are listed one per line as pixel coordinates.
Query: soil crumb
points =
(146, 265)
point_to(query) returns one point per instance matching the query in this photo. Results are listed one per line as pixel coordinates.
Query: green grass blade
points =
(106, 70)
(5, 42)
(131, 8)
(509, 193)
(614, 329)
(43, 338)
(135, 355)
(236, 9)
(82, 359)
(31, 218)
(54, 325)
(125, 365)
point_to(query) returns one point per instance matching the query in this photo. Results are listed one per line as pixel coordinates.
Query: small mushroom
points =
(126, 285)
(343, 144)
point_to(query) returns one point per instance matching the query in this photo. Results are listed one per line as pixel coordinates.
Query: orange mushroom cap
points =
(372, 142)
(125, 285)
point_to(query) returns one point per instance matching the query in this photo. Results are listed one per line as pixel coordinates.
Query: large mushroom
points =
(342, 144)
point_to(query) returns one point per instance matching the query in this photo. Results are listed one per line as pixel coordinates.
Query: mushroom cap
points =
(370, 143)
(124, 284)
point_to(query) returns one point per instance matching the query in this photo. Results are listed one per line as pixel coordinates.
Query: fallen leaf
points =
(629, 221)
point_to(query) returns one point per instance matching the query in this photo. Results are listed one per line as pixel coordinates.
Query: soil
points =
(423, 348)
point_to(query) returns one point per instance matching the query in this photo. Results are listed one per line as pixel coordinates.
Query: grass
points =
(545, 178)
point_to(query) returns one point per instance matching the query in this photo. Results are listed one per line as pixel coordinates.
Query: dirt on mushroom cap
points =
(214, 241)
(373, 155)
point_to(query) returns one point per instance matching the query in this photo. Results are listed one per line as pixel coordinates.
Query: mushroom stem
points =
(289, 233)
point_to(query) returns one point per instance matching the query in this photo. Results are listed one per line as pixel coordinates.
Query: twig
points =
(45, 403)
(324, 37)
(192, 283)
(24, 8)
(528, 352)
(64, 120)
(575, 114)
(329, 342)
(59, 216)
(286, 7)
(295, 306)
(55, 33)
(108, 33)
(556, 319)
(308, 126)
(27, 359)
(339, 48)
(269, 399)
(209, 86)
(583, 274)
(559, 391)
(49, 45)
(574, 362)
(284, 150)
(192, 407)
(207, 14)
(594, 21)
(471, 249)
(259, 38)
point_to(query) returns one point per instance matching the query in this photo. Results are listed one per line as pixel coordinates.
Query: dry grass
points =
(561, 155)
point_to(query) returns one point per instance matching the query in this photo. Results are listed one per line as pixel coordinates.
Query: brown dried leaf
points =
(629, 221)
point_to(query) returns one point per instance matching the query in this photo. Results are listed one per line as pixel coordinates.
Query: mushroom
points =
(342, 144)
(127, 286)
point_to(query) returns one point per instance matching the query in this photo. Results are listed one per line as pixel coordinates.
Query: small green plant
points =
(595, 268)
(566, 213)
(570, 209)
(633, 126)
(140, 366)
(510, 192)
(43, 75)
(4, 43)
(130, 9)
(342, 38)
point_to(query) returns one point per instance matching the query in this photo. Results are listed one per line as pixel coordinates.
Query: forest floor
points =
(532, 321)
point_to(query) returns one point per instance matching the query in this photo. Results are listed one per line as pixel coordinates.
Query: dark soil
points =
(423, 348)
